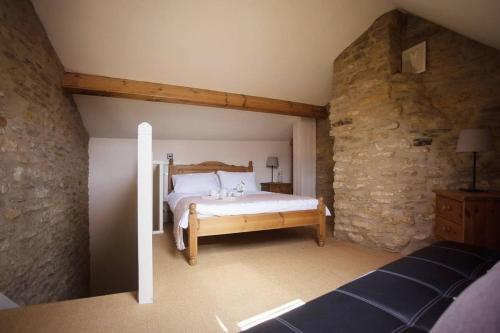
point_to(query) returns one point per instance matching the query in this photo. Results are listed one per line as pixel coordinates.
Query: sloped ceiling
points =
(476, 19)
(272, 48)
(104, 115)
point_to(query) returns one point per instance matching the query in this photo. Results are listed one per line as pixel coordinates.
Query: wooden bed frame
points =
(220, 225)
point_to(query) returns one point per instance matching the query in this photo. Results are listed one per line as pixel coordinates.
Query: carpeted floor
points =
(237, 277)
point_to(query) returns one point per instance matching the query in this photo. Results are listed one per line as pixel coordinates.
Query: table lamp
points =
(272, 162)
(475, 141)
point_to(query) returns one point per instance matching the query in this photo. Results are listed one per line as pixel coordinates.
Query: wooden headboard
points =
(210, 166)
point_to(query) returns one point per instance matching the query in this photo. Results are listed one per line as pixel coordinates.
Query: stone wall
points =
(44, 250)
(324, 163)
(395, 133)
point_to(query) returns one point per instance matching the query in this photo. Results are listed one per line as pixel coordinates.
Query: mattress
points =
(253, 203)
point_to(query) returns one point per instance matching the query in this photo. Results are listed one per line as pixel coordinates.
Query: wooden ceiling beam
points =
(158, 92)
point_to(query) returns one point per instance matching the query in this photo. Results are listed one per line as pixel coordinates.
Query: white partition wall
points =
(145, 212)
(304, 157)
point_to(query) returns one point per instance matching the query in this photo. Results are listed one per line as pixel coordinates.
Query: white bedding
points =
(254, 203)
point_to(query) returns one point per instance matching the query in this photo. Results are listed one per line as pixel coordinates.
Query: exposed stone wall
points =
(44, 249)
(395, 133)
(324, 163)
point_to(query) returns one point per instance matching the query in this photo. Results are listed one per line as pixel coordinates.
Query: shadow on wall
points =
(324, 163)
(114, 245)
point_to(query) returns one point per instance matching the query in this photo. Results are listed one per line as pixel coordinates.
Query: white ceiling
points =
(272, 48)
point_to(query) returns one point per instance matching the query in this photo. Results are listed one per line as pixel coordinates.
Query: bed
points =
(260, 211)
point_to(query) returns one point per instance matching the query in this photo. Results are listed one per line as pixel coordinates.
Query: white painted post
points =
(145, 212)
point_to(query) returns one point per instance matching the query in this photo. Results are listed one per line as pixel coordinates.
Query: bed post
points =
(321, 228)
(193, 235)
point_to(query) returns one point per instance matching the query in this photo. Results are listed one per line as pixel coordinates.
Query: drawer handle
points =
(445, 228)
(445, 207)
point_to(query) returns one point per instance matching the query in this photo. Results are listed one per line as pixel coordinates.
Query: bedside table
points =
(285, 188)
(468, 217)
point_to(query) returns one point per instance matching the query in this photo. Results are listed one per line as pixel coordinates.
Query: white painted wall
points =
(304, 157)
(113, 196)
(230, 152)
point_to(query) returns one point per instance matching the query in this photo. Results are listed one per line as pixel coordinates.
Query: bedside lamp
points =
(272, 162)
(475, 141)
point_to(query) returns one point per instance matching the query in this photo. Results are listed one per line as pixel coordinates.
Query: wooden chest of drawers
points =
(285, 188)
(468, 217)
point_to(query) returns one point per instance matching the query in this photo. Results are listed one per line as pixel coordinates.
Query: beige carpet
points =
(237, 277)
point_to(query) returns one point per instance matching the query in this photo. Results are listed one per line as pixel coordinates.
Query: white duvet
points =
(255, 203)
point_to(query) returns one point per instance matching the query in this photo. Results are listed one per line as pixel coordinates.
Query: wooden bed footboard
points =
(253, 222)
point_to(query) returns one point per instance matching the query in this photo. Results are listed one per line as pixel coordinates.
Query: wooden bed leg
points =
(321, 228)
(193, 235)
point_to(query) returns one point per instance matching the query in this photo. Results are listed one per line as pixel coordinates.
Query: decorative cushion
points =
(476, 309)
(230, 180)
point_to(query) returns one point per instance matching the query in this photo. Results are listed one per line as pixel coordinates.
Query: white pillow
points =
(229, 180)
(199, 183)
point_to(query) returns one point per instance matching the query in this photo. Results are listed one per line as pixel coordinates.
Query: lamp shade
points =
(272, 162)
(475, 140)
